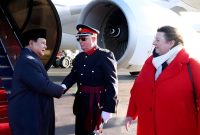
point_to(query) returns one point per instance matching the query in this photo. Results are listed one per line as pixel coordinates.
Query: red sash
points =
(91, 123)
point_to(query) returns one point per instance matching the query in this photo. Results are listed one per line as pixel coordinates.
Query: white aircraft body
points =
(127, 27)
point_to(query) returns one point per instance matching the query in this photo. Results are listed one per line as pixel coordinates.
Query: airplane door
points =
(22, 15)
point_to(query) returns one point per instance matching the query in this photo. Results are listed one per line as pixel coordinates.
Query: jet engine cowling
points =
(127, 27)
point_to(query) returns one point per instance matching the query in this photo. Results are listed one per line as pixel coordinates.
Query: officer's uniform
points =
(96, 78)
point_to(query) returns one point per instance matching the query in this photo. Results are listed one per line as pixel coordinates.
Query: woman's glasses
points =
(82, 39)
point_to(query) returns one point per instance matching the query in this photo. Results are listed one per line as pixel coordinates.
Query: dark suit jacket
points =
(31, 106)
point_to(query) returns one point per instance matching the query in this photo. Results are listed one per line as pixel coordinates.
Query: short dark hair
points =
(171, 33)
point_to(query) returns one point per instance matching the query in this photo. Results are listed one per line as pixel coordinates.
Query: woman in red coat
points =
(162, 96)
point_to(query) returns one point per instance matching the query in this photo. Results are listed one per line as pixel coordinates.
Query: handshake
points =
(64, 88)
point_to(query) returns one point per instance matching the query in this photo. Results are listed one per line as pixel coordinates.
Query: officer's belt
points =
(91, 89)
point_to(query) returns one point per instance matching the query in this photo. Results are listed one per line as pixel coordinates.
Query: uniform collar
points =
(91, 51)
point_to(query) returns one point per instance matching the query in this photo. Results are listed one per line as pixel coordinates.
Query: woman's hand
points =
(128, 122)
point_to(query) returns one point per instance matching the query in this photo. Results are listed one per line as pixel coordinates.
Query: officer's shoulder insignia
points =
(104, 50)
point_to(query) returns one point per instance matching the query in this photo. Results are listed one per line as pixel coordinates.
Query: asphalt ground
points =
(65, 120)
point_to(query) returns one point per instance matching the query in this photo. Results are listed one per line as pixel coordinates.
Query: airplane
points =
(127, 27)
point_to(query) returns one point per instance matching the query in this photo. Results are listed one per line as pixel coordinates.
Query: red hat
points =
(85, 30)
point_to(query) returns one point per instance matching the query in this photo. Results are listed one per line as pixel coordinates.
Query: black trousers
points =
(79, 127)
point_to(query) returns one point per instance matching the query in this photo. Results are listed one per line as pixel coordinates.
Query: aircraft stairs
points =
(6, 72)
(7, 45)
(6, 68)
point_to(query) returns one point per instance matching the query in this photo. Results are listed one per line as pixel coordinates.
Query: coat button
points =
(86, 57)
(81, 74)
(84, 65)
(92, 71)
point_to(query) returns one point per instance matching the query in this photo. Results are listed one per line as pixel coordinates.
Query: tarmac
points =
(65, 120)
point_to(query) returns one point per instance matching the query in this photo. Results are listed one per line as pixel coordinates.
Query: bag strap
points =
(191, 78)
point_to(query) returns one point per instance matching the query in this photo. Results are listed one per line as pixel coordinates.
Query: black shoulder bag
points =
(193, 88)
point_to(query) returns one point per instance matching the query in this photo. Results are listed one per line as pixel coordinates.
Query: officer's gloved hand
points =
(106, 116)
(64, 88)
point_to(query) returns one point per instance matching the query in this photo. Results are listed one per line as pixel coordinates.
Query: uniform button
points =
(84, 65)
(80, 83)
(85, 56)
(79, 92)
(92, 71)
(81, 74)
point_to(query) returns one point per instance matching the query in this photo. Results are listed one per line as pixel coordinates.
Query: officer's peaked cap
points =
(85, 30)
(33, 34)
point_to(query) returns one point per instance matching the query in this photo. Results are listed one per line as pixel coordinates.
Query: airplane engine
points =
(127, 27)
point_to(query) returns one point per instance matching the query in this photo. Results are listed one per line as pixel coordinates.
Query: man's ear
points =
(93, 38)
(30, 42)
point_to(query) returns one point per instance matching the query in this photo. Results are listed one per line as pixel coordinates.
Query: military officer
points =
(94, 71)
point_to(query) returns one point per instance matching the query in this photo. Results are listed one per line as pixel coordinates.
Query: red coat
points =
(166, 106)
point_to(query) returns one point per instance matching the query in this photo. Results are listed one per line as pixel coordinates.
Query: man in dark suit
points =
(94, 71)
(31, 105)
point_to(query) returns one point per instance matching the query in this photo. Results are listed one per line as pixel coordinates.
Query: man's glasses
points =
(82, 39)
